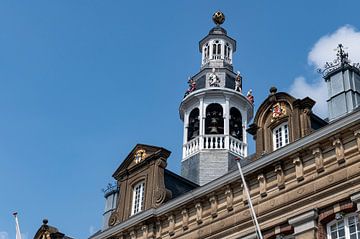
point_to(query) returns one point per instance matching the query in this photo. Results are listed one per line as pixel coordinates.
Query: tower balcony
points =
(214, 142)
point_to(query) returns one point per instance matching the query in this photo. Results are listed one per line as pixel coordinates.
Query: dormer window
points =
(280, 135)
(138, 198)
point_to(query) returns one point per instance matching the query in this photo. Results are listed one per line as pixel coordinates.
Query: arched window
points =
(206, 50)
(280, 135)
(214, 121)
(216, 50)
(138, 195)
(344, 227)
(235, 124)
(193, 129)
(227, 51)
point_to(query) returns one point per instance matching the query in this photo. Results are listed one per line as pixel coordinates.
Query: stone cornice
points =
(304, 143)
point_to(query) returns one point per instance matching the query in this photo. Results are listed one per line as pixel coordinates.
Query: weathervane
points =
(341, 60)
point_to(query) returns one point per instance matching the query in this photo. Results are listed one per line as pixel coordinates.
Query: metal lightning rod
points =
(251, 207)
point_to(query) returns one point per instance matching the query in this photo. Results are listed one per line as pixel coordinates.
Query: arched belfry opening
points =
(214, 110)
(193, 130)
(214, 121)
(235, 124)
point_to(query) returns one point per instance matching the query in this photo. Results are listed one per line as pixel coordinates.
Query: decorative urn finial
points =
(218, 18)
(273, 90)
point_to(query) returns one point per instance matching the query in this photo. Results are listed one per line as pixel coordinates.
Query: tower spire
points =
(214, 110)
(343, 83)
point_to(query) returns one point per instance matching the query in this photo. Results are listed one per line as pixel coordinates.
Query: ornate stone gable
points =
(142, 173)
(280, 120)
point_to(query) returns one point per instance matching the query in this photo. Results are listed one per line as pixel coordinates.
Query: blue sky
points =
(81, 82)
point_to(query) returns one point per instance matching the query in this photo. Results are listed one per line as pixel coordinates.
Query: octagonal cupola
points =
(217, 47)
(214, 110)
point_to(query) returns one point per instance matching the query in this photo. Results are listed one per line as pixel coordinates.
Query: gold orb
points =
(218, 18)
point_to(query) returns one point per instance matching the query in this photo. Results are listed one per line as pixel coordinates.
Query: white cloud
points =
(324, 49)
(4, 235)
(24, 236)
(317, 90)
(91, 230)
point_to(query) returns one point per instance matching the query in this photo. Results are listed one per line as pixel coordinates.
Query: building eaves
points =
(331, 129)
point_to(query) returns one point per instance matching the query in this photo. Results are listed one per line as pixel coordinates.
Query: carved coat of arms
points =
(278, 110)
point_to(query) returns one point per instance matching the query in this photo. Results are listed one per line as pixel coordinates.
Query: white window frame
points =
(138, 196)
(280, 135)
(345, 219)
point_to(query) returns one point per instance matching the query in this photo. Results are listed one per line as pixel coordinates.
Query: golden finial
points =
(218, 18)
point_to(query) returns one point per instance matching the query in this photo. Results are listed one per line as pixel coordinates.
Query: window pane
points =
(341, 232)
(352, 228)
(333, 228)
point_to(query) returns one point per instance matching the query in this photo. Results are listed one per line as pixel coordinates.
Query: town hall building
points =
(303, 178)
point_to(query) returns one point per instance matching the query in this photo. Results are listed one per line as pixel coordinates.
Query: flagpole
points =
(18, 233)
(251, 207)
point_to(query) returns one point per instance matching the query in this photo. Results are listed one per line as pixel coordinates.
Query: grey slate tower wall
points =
(343, 83)
(207, 166)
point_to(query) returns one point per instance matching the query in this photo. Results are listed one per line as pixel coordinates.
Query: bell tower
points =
(214, 110)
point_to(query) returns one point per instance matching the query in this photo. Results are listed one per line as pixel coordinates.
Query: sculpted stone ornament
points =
(262, 183)
(161, 194)
(185, 219)
(238, 82)
(139, 155)
(339, 150)
(299, 168)
(214, 205)
(278, 110)
(218, 18)
(171, 220)
(113, 218)
(229, 198)
(158, 229)
(250, 96)
(199, 211)
(280, 176)
(192, 86)
(213, 79)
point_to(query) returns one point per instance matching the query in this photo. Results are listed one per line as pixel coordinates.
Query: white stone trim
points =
(304, 222)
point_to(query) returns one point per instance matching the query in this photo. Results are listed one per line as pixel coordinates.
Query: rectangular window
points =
(280, 136)
(138, 198)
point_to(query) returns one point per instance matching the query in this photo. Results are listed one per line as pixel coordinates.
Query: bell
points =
(196, 124)
(213, 130)
(214, 120)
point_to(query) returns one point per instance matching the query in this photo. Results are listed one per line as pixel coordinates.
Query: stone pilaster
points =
(305, 225)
